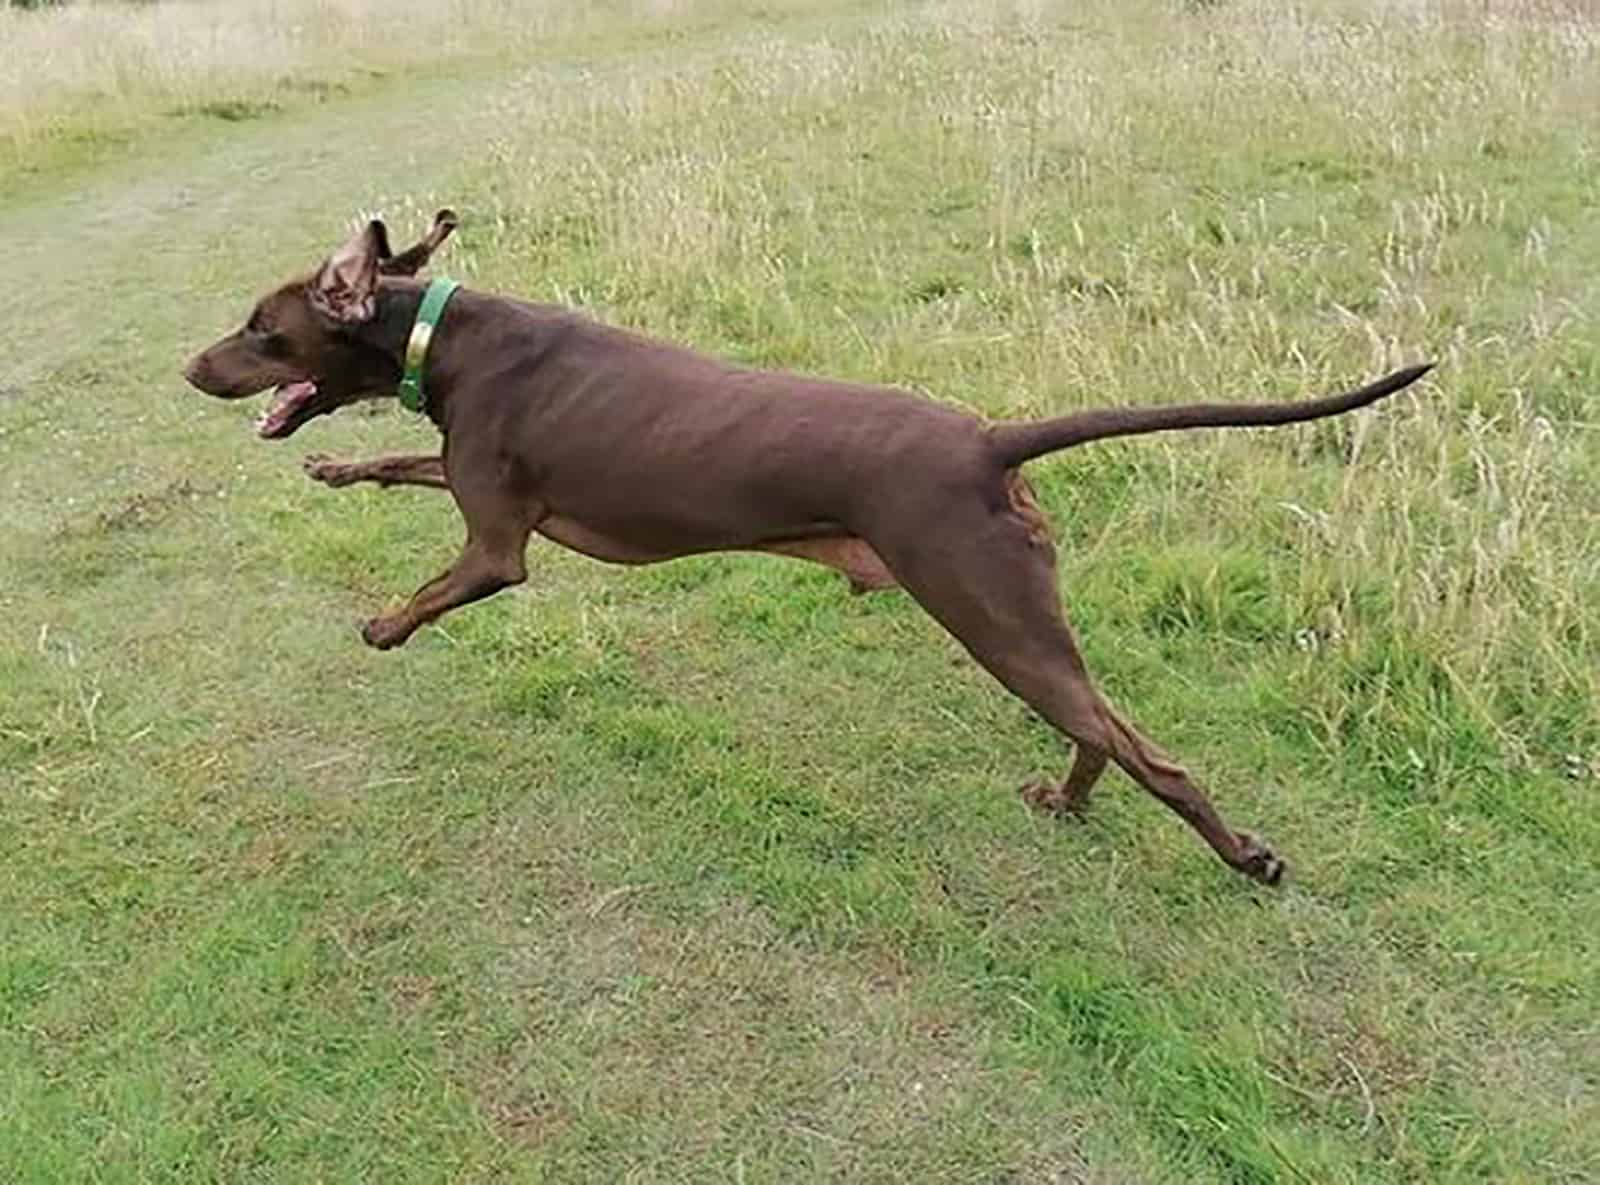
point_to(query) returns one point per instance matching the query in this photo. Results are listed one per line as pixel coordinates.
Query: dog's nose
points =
(194, 370)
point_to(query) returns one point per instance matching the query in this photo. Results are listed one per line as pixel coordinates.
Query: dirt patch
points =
(139, 511)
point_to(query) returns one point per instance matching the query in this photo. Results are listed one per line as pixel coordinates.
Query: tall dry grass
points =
(75, 62)
(1021, 213)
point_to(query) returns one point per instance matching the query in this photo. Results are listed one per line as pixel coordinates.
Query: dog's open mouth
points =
(292, 405)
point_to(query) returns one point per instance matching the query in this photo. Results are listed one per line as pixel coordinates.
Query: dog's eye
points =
(275, 344)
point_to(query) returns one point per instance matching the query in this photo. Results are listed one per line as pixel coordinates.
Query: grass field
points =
(709, 871)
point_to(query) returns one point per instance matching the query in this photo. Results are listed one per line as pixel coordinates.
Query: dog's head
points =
(304, 340)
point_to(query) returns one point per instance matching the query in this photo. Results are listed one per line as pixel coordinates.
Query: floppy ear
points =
(345, 287)
(413, 258)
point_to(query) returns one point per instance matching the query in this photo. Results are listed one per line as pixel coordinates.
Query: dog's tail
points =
(1016, 443)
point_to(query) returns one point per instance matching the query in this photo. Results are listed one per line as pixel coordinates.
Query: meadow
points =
(710, 871)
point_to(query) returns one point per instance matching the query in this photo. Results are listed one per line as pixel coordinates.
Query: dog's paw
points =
(385, 633)
(323, 468)
(1047, 796)
(1258, 862)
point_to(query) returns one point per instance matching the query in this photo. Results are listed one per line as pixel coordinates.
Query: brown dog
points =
(634, 451)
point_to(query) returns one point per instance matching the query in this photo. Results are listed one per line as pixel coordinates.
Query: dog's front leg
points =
(488, 564)
(386, 471)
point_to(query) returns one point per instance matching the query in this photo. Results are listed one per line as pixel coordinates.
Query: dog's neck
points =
(390, 331)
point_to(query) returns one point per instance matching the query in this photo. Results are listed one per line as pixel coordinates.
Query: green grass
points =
(710, 871)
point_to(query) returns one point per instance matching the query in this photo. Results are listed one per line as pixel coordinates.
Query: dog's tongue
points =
(287, 400)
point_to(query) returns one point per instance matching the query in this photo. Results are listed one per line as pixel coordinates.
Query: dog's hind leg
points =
(1072, 796)
(989, 578)
(409, 470)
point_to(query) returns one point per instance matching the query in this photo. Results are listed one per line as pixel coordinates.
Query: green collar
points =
(412, 396)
